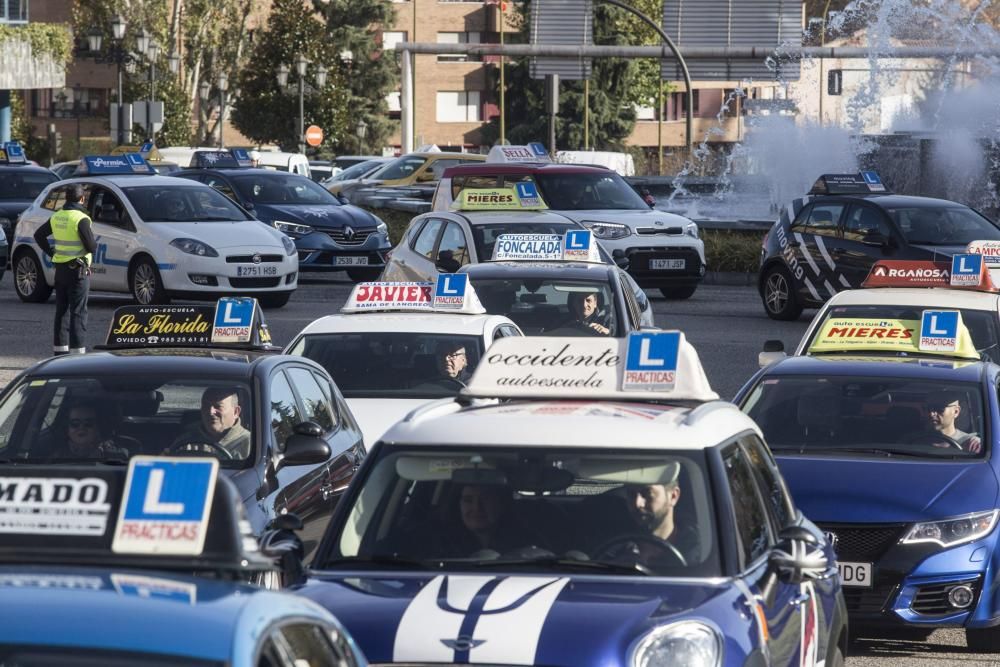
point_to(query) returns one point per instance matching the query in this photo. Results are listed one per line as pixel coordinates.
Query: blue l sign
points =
(939, 324)
(526, 190)
(578, 239)
(449, 293)
(234, 312)
(966, 270)
(651, 360)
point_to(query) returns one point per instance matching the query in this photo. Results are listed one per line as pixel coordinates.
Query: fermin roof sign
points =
(721, 23)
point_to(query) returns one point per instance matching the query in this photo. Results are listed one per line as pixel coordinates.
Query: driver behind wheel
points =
(219, 426)
(585, 310)
(652, 507)
(943, 409)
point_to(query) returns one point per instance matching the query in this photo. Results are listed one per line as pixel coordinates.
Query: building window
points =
(458, 38)
(460, 106)
(13, 11)
(391, 38)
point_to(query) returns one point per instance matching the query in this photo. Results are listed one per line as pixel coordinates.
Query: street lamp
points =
(119, 55)
(174, 62)
(362, 128)
(301, 65)
(152, 51)
(222, 83)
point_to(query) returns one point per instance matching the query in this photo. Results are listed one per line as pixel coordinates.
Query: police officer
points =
(75, 245)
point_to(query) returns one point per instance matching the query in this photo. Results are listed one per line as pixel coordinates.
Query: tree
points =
(371, 74)
(264, 112)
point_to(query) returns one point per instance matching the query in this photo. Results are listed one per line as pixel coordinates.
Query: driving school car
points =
(192, 381)
(159, 237)
(116, 566)
(609, 512)
(385, 348)
(829, 240)
(886, 434)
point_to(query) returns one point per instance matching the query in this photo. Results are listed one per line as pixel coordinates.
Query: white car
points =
(160, 237)
(385, 361)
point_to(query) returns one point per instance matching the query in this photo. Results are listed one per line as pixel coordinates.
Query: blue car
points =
(143, 566)
(893, 457)
(588, 527)
(330, 235)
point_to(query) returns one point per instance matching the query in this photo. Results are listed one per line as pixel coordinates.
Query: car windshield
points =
(277, 188)
(26, 185)
(485, 235)
(881, 416)
(110, 419)
(588, 192)
(183, 203)
(983, 325)
(400, 168)
(545, 509)
(552, 307)
(354, 171)
(943, 225)
(394, 364)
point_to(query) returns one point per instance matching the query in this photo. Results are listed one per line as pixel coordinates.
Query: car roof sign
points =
(165, 506)
(533, 152)
(934, 333)
(236, 322)
(648, 365)
(864, 183)
(12, 153)
(115, 165)
(242, 157)
(522, 197)
(451, 293)
(921, 273)
(990, 250)
(576, 245)
(215, 160)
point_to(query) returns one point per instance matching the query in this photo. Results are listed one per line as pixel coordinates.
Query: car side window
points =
(56, 198)
(640, 294)
(106, 208)
(748, 509)
(776, 496)
(863, 221)
(800, 220)
(505, 331)
(453, 250)
(269, 655)
(459, 183)
(285, 414)
(824, 219)
(634, 314)
(307, 644)
(437, 167)
(222, 186)
(314, 400)
(427, 238)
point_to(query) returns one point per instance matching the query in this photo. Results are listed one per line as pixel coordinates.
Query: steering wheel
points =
(205, 447)
(935, 439)
(612, 545)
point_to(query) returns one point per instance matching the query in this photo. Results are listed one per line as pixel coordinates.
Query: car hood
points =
(332, 215)
(631, 217)
(500, 619)
(11, 208)
(863, 490)
(376, 415)
(222, 234)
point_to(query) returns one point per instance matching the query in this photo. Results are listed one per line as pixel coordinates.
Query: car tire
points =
(778, 294)
(983, 640)
(836, 658)
(364, 275)
(146, 285)
(29, 278)
(275, 300)
(678, 292)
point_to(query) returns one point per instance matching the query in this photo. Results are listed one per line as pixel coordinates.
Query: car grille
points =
(869, 601)
(359, 238)
(255, 282)
(932, 600)
(864, 544)
(248, 259)
(647, 231)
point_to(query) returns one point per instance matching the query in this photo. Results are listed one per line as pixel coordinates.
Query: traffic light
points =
(835, 82)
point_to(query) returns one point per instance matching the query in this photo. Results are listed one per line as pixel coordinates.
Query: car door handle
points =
(799, 600)
(328, 491)
(838, 251)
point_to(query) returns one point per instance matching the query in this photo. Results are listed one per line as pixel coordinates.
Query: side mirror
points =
(618, 255)
(342, 199)
(876, 239)
(798, 556)
(426, 176)
(280, 543)
(248, 206)
(305, 447)
(774, 350)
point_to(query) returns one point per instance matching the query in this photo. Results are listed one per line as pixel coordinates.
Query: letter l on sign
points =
(644, 358)
(152, 504)
(934, 325)
(227, 317)
(447, 288)
(962, 267)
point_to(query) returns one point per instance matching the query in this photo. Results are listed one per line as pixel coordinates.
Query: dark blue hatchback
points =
(329, 234)
(893, 457)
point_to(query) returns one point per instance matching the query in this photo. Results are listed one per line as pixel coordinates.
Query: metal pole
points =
(503, 82)
(121, 109)
(413, 75)
(659, 131)
(406, 102)
(302, 115)
(152, 99)
(222, 117)
(586, 114)
(689, 105)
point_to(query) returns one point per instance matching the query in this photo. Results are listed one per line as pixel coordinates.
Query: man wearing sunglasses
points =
(943, 409)
(87, 437)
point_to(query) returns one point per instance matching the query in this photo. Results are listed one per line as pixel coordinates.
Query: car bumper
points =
(657, 266)
(233, 271)
(330, 251)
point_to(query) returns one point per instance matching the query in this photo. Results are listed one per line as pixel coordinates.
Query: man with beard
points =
(652, 507)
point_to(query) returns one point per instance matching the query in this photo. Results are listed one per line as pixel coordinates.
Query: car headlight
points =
(292, 228)
(950, 532)
(289, 245)
(691, 229)
(688, 643)
(608, 230)
(382, 228)
(194, 247)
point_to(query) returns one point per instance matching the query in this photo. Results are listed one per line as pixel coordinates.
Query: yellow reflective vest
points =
(65, 231)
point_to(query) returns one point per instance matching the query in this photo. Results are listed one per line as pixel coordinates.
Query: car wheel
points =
(780, 300)
(147, 287)
(679, 292)
(836, 658)
(364, 275)
(29, 279)
(983, 640)
(275, 300)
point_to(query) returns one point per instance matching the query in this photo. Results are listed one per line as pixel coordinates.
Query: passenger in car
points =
(88, 436)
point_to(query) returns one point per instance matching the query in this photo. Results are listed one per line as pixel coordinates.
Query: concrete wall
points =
(23, 69)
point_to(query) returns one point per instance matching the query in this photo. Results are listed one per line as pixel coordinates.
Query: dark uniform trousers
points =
(72, 288)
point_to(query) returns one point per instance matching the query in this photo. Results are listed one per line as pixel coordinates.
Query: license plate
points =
(666, 264)
(350, 261)
(856, 574)
(256, 271)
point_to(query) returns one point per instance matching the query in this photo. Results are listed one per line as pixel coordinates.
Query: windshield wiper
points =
(380, 561)
(888, 452)
(603, 566)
